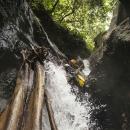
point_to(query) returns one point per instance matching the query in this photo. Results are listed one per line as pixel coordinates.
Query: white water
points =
(86, 69)
(69, 113)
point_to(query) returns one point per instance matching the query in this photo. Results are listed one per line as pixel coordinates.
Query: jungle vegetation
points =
(86, 18)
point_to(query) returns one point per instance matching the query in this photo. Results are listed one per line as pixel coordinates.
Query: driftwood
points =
(50, 112)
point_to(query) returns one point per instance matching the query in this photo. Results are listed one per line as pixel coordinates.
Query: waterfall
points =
(70, 114)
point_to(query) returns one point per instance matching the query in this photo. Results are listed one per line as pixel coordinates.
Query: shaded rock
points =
(19, 29)
(109, 80)
(70, 44)
(121, 34)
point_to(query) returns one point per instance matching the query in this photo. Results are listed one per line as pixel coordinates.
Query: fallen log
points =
(25, 109)
(50, 112)
(9, 119)
(29, 91)
(34, 117)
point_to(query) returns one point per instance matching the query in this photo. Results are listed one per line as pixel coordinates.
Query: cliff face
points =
(16, 33)
(21, 29)
(110, 77)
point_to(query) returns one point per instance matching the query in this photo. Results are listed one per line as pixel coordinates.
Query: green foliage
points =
(86, 18)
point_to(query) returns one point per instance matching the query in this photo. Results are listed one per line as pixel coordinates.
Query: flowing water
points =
(70, 113)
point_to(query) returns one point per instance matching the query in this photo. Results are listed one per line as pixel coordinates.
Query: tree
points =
(86, 18)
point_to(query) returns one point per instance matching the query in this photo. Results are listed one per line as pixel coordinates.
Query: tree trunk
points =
(34, 117)
(9, 119)
(50, 113)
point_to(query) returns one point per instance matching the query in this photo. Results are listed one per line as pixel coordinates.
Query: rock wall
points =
(110, 76)
(16, 33)
(21, 29)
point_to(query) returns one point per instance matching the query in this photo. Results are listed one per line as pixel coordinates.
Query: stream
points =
(70, 113)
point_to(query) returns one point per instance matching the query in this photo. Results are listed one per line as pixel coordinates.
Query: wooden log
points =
(25, 110)
(9, 119)
(50, 112)
(27, 98)
(34, 117)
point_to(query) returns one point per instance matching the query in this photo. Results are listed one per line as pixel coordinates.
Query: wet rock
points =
(19, 29)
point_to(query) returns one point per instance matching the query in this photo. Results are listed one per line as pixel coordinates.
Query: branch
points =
(72, 11)
(54, 6)
(66, 15)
